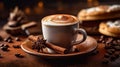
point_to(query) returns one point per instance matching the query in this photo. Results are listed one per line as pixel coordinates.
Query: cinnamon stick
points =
(56, 48)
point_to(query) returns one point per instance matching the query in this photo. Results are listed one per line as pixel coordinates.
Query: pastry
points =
(110, 28)
(92, 17)
(100, 13)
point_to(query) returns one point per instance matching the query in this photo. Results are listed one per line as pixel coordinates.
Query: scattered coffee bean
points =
(5, 45)
(117, 47)
(109, 40)
(102, 37)
(17, 39)
(16, 46)
(10, 41)
(4, 48)
(113, 58)
(108, 46)
(112, 50)
(109, 52)
(2, 44)
(105, 61)
(8, 38)
(114, 42)
(19, 55)
(118, 41)
(106, 55)
(112, 46)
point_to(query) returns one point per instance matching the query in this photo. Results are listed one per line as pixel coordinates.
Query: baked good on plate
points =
(92, 17)
(100, 12)
(110, 28)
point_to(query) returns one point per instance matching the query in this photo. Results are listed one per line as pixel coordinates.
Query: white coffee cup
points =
(62, 30)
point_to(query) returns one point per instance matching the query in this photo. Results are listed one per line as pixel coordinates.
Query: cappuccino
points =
(62, 30)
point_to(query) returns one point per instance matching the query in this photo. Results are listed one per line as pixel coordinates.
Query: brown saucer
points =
(86, 47)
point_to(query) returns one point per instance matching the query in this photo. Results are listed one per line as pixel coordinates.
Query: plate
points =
(89, 45)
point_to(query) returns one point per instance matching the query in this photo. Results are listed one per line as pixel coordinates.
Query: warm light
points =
(92, 3)
(1, 5)
(40, 4)
(39, 8)
(27, 10)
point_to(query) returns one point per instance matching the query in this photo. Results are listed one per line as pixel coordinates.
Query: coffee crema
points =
(60, 19)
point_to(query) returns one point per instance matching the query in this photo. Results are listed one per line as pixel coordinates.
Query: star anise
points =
(39, 44)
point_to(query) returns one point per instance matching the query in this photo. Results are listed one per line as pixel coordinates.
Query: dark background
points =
(37, 9)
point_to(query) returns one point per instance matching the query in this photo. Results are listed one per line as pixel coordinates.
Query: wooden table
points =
(10, 60)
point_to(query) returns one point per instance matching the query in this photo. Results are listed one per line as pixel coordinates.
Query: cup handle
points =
(83, 32)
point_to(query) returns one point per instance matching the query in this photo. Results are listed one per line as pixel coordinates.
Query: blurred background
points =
(37, 9)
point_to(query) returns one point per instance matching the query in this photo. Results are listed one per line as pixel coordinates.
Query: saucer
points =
(89, 45)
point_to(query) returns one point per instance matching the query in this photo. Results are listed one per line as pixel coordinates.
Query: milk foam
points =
(60, 19)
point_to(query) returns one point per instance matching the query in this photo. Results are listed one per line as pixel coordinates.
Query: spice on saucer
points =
(53, 48)
(39, 44)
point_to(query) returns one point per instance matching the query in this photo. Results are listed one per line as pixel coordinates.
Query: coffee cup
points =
(62, 30)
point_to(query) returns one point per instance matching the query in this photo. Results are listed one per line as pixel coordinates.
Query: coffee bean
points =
(17, 39)
(7, 38)
(5, 45)
(10, 41)
(100, 40)
(2, 44)
(117, 54)
(109, 52)
(106, 55)
(105, 61)
(113, 58)
(16, 46)
(103, 41)
(118, 41)
(117, 47)
(114, 42)
(112, 50)
(4, 48)
(19, 55)
(108, 46)
(102, 37)
(109, 40)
